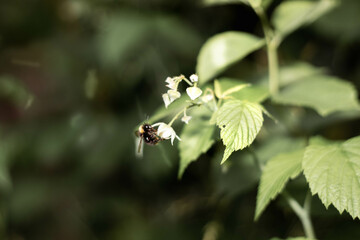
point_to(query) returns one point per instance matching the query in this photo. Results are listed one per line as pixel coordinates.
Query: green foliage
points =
(223, 50)
(255, 3)
(333, 172)
(244, 91)
(240, 122)
(276, 173)
(323, 93)
(291, 15)
(297, 71)
(225, 88)
(341, 25)
(97, 69)
(196, 138)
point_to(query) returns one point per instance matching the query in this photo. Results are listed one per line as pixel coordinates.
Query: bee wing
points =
(139, 147)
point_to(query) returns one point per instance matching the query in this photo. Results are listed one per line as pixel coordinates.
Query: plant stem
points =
(272, 45)
(303, 213)
(187, 81)
(180, 112)
(176, 117)
(273, 68)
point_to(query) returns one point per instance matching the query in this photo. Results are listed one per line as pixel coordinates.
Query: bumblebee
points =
(149, 134)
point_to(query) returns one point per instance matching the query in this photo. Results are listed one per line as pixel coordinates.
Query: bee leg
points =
(140, 143)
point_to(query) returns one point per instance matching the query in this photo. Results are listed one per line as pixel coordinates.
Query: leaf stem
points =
(303, 213)
(272, 44)
(186, 80)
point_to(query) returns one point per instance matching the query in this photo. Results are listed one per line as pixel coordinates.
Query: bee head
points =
(145, 127)
(141, 129)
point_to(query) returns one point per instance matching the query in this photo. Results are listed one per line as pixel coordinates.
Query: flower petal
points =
(171, 83)
(166, 99)
(193, 92)
(194, 78)
(166, 132)
(173, 95)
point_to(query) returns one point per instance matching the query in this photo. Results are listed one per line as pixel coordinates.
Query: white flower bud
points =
(194, 78)
(186, 119)
(193, 92)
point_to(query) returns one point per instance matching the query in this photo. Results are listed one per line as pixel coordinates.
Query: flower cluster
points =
(172, 83)
(164, 130)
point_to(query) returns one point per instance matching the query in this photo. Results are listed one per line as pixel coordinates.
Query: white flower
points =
(193, 92)
(170, 96)
(173, 95)
(171, 83)
(166, 99)
(194, 78)
(186, 119)
(166, 132)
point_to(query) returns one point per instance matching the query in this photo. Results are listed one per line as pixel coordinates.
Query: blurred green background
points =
(77, 77)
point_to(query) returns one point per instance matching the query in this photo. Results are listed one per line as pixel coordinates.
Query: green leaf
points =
(240, 122)
(277, 172)
(223, 50)
(291, 15)
(255, 3)
(252, 93)
(292, 72)
(196, 138)
(333, 172)
(225, 88)
(323, 93)
(297, 71)
(341, 25)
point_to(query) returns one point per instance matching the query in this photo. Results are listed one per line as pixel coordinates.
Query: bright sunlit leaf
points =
(240, 122)
(332, 170)
(224, 88)
(223, 50)
(251, 93)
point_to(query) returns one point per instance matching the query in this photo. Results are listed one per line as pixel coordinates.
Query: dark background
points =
(77, 77)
